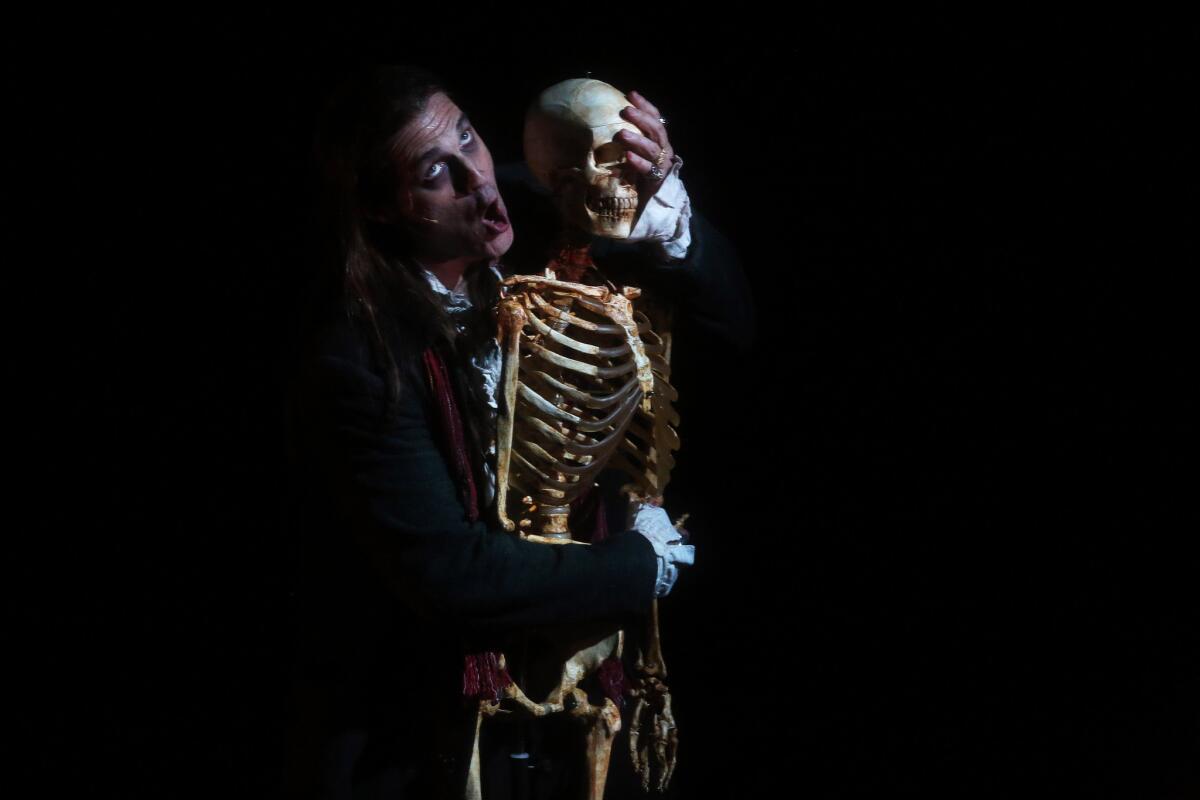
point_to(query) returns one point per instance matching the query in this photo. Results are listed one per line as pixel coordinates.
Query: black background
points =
(944, 515)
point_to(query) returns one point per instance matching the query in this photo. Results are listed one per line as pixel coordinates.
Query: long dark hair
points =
(370, 276)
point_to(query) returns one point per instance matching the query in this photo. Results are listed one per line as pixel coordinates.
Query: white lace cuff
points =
(652, 522)
(665, 219)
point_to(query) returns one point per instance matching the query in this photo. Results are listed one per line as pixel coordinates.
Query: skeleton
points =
(585, 386)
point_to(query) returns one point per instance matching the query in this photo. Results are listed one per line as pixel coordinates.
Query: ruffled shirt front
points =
(665, 219)
(487, 362)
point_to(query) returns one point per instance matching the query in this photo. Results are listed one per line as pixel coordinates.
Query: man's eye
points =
(435, 170)
(469, 136)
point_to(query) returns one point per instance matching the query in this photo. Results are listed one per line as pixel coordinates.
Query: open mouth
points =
(495, 219)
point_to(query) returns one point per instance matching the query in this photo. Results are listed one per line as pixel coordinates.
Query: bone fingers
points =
(638, 754)
(672, 752)
(666, 741)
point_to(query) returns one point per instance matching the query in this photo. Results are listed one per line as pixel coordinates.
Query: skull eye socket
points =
(564, 175)
(610, 154)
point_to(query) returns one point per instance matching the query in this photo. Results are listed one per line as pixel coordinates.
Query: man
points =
(404, 561)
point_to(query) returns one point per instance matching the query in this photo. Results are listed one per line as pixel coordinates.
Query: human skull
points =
(569, 147)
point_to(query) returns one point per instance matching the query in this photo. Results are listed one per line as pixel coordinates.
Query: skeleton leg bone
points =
(602, 723)
(474, 788)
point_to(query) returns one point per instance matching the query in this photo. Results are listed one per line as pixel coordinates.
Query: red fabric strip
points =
(483, 677)
(451, 427)
(612, 680)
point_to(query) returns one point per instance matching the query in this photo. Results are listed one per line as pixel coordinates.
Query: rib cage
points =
(585, 386)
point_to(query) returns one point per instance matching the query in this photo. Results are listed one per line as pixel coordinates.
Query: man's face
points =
(448, 196)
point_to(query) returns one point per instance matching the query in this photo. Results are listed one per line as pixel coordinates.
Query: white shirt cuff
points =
(668, 557)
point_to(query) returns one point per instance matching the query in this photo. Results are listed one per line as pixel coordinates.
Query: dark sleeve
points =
(708, 286)
(399, 501)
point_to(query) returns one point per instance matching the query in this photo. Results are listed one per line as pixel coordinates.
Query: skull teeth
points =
(614, 206)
